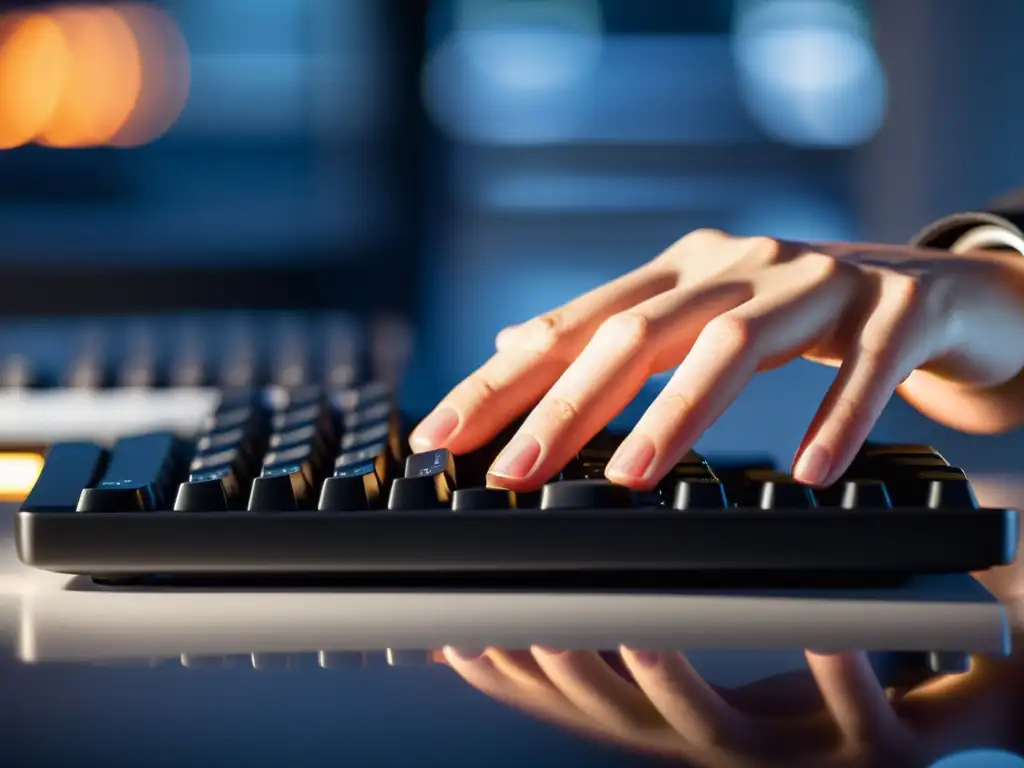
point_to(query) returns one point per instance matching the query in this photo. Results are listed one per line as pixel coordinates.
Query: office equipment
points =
(315, 481)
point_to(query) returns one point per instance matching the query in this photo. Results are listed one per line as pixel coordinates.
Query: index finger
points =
(515, 378)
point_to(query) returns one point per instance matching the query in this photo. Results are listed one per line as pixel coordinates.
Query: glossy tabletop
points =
(152, 677)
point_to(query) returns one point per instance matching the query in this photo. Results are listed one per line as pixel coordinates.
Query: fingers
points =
(596, 690)
(687, 702)
(607, 375)
(802, 305)
(885, 350)
(854, 697)
(530, 359)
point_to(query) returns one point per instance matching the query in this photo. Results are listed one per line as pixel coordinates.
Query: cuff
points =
(965, 231)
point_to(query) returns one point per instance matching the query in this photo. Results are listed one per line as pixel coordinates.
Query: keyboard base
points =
(613, 545)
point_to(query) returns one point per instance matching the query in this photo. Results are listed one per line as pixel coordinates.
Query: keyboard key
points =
(421, 492)
(362, 417)
(359, 397)
(699, 493)
(856, 494)
(947, 490)
(432, 463)
(210, 491)
(482, 499)
(586, 494)
(379, 455)
(351, 489)
(69, 468)
(773, 490)
(137, 477)
(281, 488)
(368, 435)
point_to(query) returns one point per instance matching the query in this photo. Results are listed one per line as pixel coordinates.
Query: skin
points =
(945, 331)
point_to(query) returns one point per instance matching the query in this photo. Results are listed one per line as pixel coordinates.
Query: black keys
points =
(766, 489)
(137, 477)
(214, 490)
(363, 396)
(422, 492)
(586, 494)
(699, 493)
(428, 483)
(282, 488)
(69, 468)
(432, 463)
(482, 500)
(856, 494)
(352, 489)
(378, 455)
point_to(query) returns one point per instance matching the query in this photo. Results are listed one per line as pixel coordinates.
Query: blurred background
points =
(469, 163)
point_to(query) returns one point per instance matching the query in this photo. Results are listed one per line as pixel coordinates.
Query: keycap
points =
(367, 435)
(482, 499)
(773, 490)
(379, 455)
(69, 468)
(137, 476)
(432, 463)
(855, 494)
(699, 493)
(947, 490)
(370, 414)
(586, 494)
(209, 491)
(281, 488)
(340, 659)
(421, 492)
(351, 489)
(358, 397)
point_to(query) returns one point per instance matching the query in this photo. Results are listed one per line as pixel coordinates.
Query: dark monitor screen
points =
(206, 153)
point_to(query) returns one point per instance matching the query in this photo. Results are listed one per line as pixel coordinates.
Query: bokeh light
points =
(34, 64)
(809, 72)
(87, 76)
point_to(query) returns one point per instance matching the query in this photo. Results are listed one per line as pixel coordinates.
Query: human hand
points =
(840, 716)
(945, 330)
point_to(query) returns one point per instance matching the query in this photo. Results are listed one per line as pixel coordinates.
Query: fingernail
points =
(435, 429)
(464, 655)
(518, 457)
(633, 457)
(813, 465)
(646, 658)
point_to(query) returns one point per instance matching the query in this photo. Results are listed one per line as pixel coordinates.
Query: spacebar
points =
(66, 414)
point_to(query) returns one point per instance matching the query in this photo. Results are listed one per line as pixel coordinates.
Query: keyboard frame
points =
(519, 544)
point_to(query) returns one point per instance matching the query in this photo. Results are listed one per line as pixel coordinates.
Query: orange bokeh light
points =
(165, 75)
(85, 76)
(34, 62)
(103, 85)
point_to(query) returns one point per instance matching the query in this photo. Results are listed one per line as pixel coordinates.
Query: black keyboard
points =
(315, 481)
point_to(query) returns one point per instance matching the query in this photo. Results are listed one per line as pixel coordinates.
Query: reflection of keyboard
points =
(307, 481)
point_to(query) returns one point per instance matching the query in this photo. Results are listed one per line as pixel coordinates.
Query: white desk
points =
(54, 617)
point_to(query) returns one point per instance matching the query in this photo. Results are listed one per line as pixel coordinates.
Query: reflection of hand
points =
(942, 328)
(658, 703)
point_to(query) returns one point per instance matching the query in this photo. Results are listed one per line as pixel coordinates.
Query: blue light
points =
(981, 758)
(809, 74)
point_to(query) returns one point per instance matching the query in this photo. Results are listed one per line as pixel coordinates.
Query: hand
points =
(945, 330)
(658, 703)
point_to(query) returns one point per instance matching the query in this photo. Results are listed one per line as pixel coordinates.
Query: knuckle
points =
(693, 242)
(479, 388)
(763, 251)
(823, 268)
(628, 330)
(560, 409)
(733, 332)
(671, 404)
(544, 333)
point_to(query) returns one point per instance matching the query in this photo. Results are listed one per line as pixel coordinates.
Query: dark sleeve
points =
(1005, 213)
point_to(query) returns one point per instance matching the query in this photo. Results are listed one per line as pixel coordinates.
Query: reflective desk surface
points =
(94, 676)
